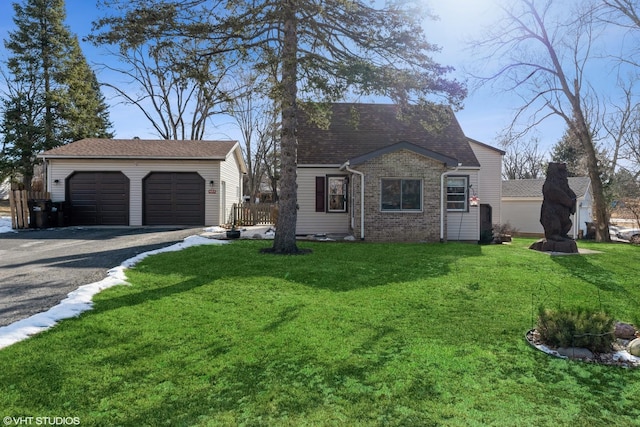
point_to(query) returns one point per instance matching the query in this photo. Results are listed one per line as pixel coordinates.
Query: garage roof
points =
(96, 148)
(533, 187)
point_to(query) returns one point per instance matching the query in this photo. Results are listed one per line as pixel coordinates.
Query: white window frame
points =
(465, 193)
(337, 186)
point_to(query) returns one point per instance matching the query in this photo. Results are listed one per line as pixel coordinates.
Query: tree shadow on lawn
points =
(580, 267)
(315, 270)
(276, 385)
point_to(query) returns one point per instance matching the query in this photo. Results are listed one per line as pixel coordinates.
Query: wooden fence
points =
(254, 214)
(19, 205)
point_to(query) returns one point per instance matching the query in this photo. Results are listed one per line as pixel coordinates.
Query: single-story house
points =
(383, 174)
(146, 182)
(522, 200)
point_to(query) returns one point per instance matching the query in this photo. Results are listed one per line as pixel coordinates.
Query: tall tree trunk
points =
(581, 130)
(600, 211)
(285, 238)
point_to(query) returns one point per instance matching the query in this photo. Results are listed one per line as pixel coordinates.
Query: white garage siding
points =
(523, 214)
(136, 170)
(231, 175)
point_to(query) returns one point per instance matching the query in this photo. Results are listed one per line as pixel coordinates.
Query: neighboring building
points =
(5, 188)
(522, 200)
(383, 177)
(146, 182)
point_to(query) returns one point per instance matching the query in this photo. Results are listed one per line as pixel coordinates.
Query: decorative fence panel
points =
(254, 214)
(19, 205)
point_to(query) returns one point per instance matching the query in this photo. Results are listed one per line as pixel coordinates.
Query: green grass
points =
(352, 334)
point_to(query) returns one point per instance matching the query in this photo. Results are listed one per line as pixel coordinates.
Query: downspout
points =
(442, 193)
(47, 176)
(361, 174)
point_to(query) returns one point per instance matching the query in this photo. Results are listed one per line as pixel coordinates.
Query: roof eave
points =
(69, 157)
(448, 161)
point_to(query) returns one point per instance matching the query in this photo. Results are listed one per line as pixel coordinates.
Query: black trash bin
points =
(57, 216)
(39, 211)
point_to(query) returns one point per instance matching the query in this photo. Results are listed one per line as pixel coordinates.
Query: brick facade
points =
(387, 226)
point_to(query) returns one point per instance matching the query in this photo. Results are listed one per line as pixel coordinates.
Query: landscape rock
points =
(624, 331)
(634, 347)
(575, 352)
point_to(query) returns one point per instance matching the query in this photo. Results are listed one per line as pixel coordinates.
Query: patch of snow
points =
(5, 225)
(80, 300)
(625, 356)
(214, 229)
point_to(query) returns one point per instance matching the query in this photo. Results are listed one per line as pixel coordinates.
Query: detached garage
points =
(146, 182)
(522, 200)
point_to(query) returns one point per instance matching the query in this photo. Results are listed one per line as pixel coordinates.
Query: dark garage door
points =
(99, 198)
(173, 198)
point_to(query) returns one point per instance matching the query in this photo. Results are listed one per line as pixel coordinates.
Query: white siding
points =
(584, 214)
(464, 226)
(232, 177)
(312, 222)
(136, 170)
(489, 187)
(523, 215)
(5, 187)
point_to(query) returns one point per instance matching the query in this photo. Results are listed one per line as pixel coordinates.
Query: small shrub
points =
(503, 229)
(503, 232)
(576, 328)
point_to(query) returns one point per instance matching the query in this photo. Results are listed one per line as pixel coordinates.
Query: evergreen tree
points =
(53, 96)
(569, 150)
(85, 111)
(22, 130)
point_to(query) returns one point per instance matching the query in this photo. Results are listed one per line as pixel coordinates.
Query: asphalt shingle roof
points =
(92, 148)
(376, 126)
(533, 187)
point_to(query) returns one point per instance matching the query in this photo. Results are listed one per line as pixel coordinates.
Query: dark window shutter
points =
(320, 197)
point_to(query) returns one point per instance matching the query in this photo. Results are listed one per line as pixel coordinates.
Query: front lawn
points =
(356, 334)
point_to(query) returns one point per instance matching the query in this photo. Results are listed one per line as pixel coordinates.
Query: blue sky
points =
(484, 115)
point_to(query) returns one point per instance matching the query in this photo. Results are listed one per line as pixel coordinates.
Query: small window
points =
(337, 186)
(457, 193)
(401, 195)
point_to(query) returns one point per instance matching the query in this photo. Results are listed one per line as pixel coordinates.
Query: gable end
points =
(403, 145)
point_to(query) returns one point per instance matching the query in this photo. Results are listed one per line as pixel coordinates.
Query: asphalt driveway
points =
(38, 268)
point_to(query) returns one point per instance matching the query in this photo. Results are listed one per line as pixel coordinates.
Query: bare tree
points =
(628, 9)
(624, 123)
(177, 101)
(622, 126)
(255, 116)
(523, 159)
(270, 144)
(543, 53)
